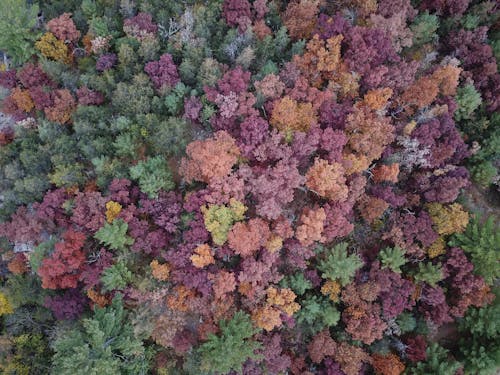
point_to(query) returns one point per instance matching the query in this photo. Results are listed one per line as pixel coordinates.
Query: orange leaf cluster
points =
(223, 282)
(18, 265)
(284, 299)
(63, 108)
(422, 92)
(321, 346)
(22, 99)
(210, 159)
(247, 238)
(300, 18)
(274, 243)
(385, 172)
(372, 208)
(327, 180)
(98, 298)
(180, 299)
(447, 79)
(202, 256)
(311, 227)
(278, 301)
(267, 317)
(368, 132)
(288, 115)
(389, 364)
(377, 99)
(350, 358)
(320, 60)
(331, 289)
(160, 271)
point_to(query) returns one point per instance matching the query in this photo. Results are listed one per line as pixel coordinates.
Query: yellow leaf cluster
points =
(5, 306)
(53, 48)
(448, 219)
(113, 209)
(219, 219)
(437, 248)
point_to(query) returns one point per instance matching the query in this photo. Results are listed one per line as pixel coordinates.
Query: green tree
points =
(153, 175)
(229, 350)
(114, 235)
(103, 344)
(482, 243)
(392, 258)
(17, 34)
(338, 264)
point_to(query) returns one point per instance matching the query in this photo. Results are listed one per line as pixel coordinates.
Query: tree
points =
(63, 268)
(210, 159)
(220, 219)
(104, 343)
(327, 180)
(247, 238)
(114, 235)
(468, 100)
(337, 265)
(16, 29)
(153, 175)
(438, 362)
(392, 258)
(482, 243)
(289, 115)
(311, 226)
(229, 350)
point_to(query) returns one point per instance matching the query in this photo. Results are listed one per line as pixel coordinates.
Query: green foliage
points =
(17, 23)
(116, 277)
(424, 28)
(392, 258)
(104, 344)
(40, 252)
(337, 264)
(297, 282)
(429, 273)
(114, 235)
(228, 351)
(406, 322)
(133, 98)
(483, 173)
(438, 362)
(483, 164)
(30, 353)
(317, 313)
(174, 101)
(153, 175)
(480, 342)
(468, 100)
(482, 243)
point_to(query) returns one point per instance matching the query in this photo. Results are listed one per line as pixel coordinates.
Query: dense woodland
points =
(249, 186)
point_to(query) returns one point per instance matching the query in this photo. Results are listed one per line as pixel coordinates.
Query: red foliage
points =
(63, 268)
